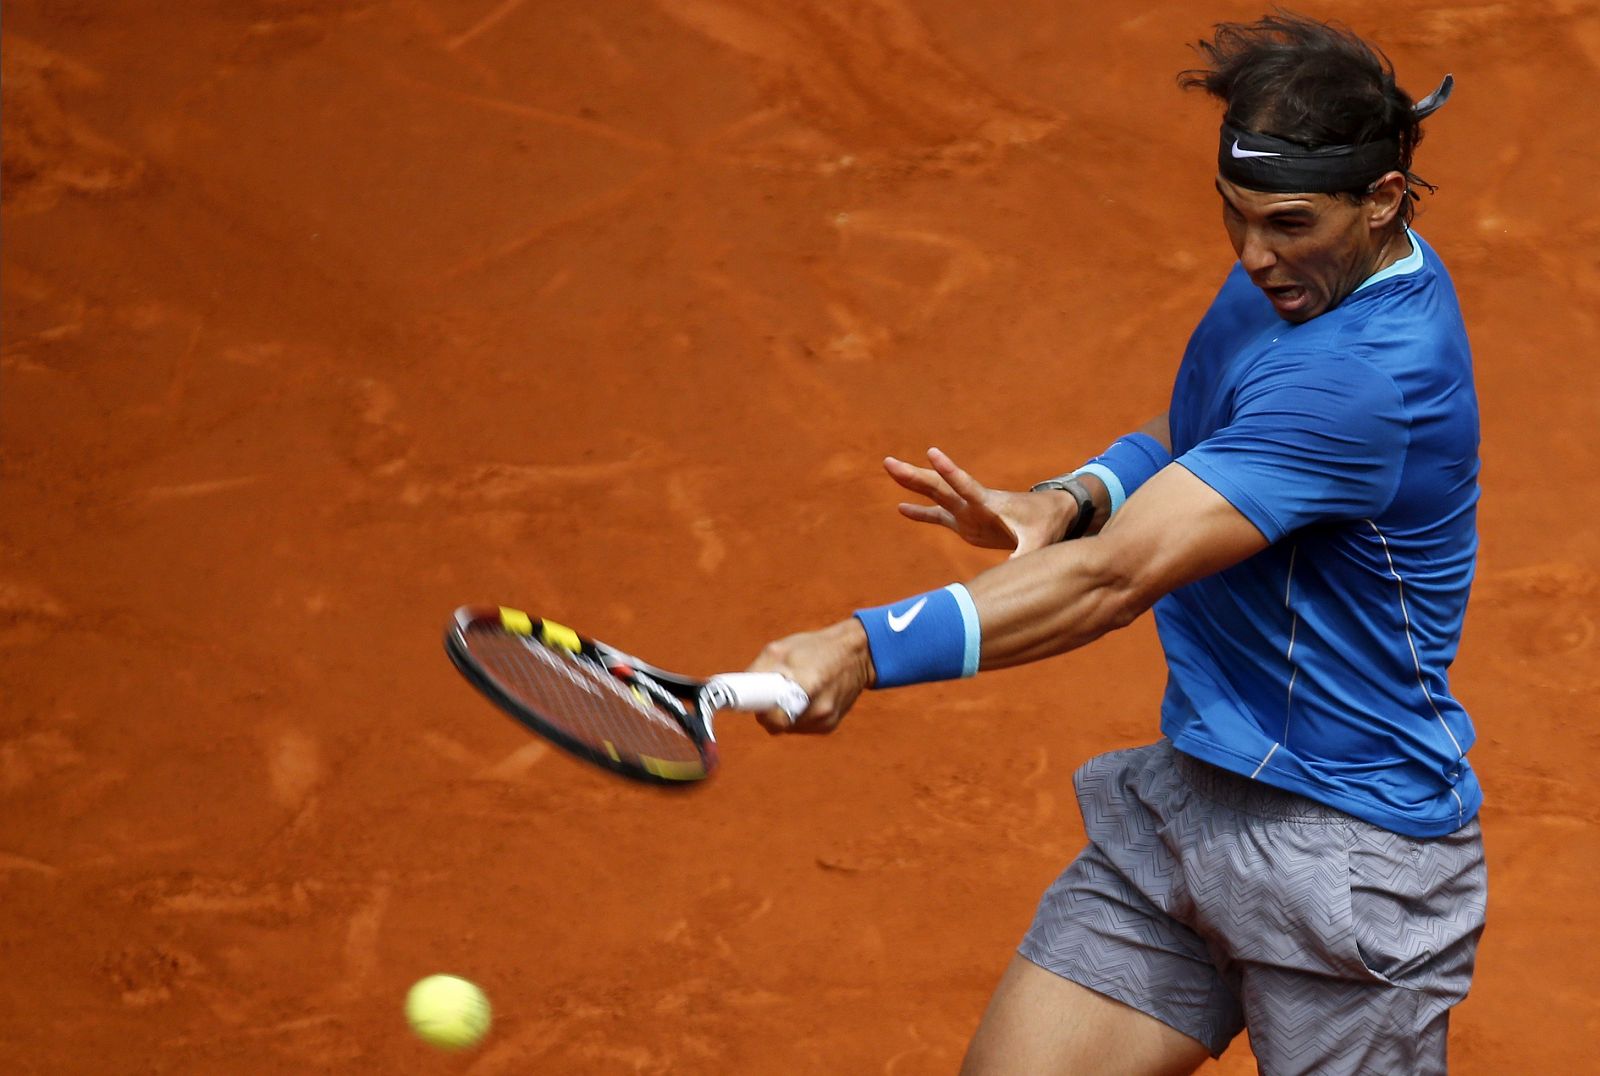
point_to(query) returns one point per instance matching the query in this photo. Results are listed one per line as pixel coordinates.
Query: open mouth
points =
(1288, 298)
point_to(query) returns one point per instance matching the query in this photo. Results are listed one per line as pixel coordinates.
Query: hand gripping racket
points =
(601, 704)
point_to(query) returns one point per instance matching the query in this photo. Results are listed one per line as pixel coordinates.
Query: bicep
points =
(1176, 530)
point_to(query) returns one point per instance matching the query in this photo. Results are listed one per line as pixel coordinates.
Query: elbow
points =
(1123, 607)
(1125, 591)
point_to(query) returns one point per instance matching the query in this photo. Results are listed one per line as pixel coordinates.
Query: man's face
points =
(1306, 252)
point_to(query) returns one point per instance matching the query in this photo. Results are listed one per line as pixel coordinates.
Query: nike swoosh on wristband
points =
(1237, 152)
(903, 621)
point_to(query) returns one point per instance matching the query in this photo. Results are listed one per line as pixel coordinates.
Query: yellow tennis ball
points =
(448, 1012)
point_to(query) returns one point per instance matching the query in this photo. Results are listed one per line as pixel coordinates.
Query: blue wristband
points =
(1129, 463)
(932, 636)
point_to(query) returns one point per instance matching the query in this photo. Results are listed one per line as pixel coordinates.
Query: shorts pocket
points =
(1415, 906)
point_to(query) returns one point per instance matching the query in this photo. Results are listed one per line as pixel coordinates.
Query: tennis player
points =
(1298, 855)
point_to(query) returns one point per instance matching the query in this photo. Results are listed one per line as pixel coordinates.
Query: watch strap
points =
(1069, 484)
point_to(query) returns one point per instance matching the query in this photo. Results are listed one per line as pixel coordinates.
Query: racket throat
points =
(696, 720)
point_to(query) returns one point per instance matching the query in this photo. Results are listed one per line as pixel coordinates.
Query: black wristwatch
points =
(1069, 484)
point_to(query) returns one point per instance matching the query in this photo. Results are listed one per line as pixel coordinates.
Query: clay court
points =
(321, 319)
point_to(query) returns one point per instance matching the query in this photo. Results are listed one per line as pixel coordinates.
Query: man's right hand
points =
(987, 518)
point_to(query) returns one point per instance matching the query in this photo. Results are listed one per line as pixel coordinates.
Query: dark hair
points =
(1313, 83)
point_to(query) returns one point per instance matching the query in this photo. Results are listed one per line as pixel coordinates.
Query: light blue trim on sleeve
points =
(1112, 482)
(971, 626)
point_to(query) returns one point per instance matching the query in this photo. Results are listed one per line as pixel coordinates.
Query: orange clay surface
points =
(323, 318)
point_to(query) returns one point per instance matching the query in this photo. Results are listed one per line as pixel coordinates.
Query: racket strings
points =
(661, 695)
(582, 699)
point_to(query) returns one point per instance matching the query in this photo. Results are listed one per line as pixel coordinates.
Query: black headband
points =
(1261, 162)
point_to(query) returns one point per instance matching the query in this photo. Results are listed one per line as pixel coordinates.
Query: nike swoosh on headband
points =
(1241, 153)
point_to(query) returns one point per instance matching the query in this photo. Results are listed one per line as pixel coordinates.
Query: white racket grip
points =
(756, 691)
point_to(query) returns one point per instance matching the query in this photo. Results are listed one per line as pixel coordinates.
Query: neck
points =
(1395, 247)
(1392, 249)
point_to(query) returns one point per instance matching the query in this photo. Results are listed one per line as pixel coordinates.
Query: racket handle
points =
(756, 691)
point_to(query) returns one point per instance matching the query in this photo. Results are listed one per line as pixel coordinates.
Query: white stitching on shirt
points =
(1294, 628)
(1264, 761)
(1405, 614)
(1294, 670)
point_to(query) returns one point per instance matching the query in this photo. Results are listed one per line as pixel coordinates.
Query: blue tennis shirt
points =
(1320, 665)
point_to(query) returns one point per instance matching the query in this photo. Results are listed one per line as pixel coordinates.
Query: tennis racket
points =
(603, 705)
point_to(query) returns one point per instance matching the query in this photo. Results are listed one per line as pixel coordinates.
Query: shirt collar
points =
(1409, 264)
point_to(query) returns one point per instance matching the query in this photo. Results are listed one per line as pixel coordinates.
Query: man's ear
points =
(1384, 199)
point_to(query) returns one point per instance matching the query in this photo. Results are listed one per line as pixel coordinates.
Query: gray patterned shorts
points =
(1215, 903)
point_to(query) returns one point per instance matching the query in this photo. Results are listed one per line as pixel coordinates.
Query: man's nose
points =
(1256, 255)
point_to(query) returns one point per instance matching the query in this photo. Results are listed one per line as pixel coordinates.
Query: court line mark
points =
(539, 115)
(483, 24)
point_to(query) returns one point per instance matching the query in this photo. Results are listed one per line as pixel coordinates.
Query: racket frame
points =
(675, 697)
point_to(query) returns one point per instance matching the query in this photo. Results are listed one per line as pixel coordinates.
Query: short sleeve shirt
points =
(1351, 442)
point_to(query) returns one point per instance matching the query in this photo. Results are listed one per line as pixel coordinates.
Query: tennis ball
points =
(448, 1012)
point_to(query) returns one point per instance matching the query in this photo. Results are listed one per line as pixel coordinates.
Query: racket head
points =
(589, 699)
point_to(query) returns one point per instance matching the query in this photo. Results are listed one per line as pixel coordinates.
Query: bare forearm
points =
(1033, 607)
(1051, 601)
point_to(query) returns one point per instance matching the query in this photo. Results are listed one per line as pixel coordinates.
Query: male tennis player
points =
(1298, 855)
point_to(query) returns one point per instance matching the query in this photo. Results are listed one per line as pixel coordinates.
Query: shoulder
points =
(1413, 299)
(1327, 382)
